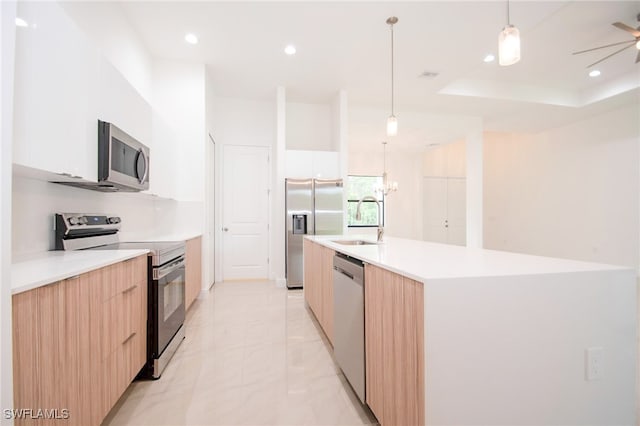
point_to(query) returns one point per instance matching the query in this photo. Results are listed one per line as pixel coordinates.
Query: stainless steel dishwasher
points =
(348, 320)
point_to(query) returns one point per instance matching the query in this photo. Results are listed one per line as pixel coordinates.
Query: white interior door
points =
(245, 251)
(435, 209)
(445, 212)
(457, 211)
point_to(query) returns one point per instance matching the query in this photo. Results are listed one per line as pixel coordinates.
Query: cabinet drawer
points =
(112, 280)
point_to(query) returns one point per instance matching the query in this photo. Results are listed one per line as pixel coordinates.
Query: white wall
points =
(108, 27)
(309, 127)
(244, 122)
(278, 225)
(340, 111)
(416, 130)
(474, 187)
(7, 26)
(570, 192)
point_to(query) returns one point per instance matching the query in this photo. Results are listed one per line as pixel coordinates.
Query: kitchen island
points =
(477, 336)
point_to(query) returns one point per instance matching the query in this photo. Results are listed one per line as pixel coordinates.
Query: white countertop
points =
(422, 261)
(48, 267)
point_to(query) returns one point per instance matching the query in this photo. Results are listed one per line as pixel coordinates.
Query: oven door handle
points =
(167, 269)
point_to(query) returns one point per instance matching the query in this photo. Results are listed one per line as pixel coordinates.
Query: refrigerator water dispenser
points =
(299, 224)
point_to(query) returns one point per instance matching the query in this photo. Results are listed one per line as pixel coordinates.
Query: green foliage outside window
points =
(358, 187)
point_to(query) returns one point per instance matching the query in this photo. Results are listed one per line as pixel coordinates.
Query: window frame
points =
(381, 201)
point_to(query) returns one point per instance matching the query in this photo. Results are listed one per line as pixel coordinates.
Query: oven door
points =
(170, 305)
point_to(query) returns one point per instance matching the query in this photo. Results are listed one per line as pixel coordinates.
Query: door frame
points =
(210, 246)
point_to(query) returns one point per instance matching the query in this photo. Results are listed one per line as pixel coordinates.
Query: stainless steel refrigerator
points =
(313, 207)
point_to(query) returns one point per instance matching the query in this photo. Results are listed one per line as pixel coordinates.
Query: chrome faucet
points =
(359, 215)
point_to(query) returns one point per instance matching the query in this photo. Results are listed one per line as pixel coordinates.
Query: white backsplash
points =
(35, 202)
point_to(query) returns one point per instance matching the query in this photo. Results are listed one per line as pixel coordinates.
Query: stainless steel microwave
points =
(123, 162)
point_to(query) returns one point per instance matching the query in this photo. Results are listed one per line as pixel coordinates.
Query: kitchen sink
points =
(354, 242)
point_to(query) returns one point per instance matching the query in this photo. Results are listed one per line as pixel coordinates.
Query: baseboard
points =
(281, 282)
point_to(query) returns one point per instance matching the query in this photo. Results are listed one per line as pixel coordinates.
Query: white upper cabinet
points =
(63, 86)
(121, 104)
(57, 68)
(307, 164)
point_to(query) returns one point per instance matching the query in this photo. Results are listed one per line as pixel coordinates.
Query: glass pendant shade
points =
(392, 126)
(509, 46)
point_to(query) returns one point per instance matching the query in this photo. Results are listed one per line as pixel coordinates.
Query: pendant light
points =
(392, 121)
(508, 43)
(387, 185)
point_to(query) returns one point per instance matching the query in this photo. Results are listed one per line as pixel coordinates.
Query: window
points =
(358, 187)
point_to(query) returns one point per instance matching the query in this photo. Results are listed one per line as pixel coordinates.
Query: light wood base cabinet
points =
(78, 343)
(394, 347)
(318, 284)
(193, 270)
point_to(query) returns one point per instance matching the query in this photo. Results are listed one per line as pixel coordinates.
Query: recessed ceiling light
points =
(594, 73)
(191, 38)
(489, 58)
(290, 50)
(21, 22)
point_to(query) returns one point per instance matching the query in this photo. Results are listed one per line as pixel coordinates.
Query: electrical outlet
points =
(594, 363)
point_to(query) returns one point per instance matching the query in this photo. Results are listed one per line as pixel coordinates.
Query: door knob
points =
(225, 229)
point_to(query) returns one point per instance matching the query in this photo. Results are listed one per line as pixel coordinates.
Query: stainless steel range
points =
(166, 272)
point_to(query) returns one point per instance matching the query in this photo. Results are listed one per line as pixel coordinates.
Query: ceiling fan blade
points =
(627, 28)
(602, 47)
(608, 56)
(638, 57)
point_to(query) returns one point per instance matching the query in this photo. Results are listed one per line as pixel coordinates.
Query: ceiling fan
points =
(635, 32)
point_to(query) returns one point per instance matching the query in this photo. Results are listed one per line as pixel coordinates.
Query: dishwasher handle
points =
(349, 267)
(343, 272)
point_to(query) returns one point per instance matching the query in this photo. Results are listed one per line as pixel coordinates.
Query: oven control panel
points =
(89, 220)
(72, 229)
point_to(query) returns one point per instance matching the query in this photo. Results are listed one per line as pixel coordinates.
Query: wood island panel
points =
(413, 356)
(318, 284)
(394, 347)
(373, 301)
(326, 320)
(313, 277)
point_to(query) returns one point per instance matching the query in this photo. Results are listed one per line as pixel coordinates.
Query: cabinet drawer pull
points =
(129, 338)
(129, 289)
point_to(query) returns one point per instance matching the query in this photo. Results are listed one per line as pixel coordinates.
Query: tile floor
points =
(253, 355)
